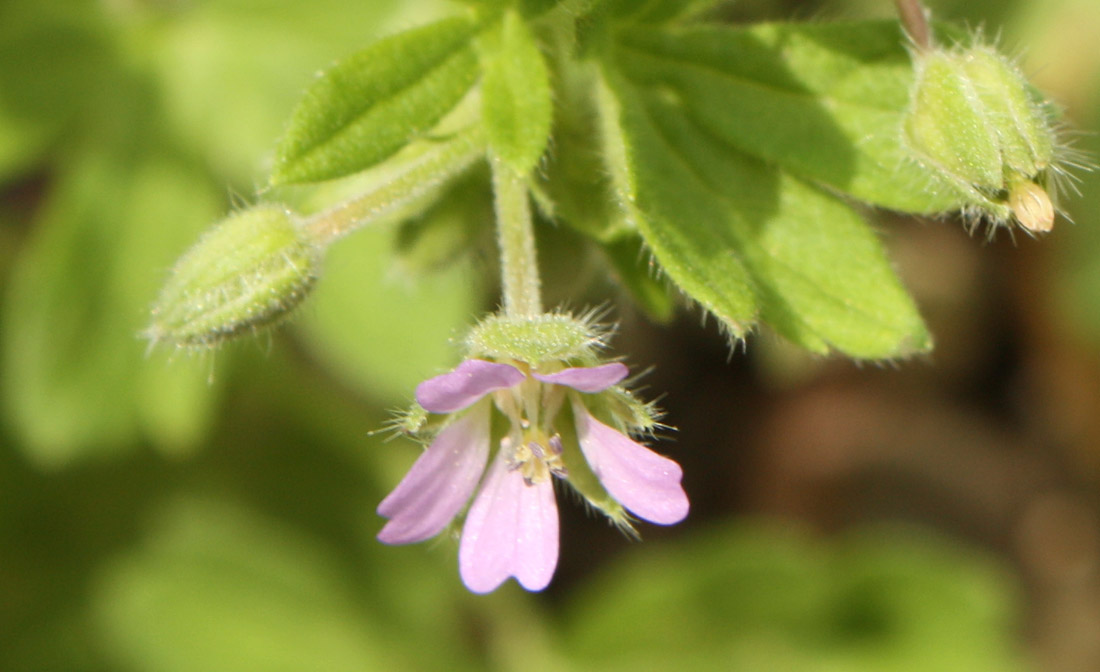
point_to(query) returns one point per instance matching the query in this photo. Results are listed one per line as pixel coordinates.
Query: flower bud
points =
(248, 272)
(975, 121)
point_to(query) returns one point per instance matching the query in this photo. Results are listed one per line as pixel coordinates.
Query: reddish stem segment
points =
(914, 18)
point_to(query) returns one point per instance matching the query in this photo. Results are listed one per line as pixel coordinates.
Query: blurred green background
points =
(169, 512)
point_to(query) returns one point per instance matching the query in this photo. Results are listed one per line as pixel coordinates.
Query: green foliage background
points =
(171, 512)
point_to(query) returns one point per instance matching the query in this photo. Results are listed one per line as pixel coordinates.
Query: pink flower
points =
(511, 529)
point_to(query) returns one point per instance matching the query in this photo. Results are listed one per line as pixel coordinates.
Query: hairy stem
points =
(423, 174)
(516, 235)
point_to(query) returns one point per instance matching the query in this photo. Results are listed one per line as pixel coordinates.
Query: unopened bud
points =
(976, 122)
(248, 272)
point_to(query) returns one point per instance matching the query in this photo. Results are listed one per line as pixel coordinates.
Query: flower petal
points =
(471, 380)
(646, 483)
(440, 481)
(511, 530)
(587, 378)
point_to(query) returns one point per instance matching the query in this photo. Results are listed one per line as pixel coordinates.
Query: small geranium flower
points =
(511, 529)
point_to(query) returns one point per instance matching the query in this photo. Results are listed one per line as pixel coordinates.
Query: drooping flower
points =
(511, 528)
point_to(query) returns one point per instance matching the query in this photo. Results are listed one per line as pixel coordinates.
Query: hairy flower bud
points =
(976, 122)
(249, 271)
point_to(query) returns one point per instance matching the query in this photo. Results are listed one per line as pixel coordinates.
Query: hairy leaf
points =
(740, 236)
(639, 275)
(824, 101)
(515, 95)
(371, 104)
(674, 213)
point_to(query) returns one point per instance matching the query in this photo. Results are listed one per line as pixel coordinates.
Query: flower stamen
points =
(537, 458)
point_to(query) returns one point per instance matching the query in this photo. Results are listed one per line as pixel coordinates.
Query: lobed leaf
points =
(823, 101)
(673, 213)
(573, 177)
(368, 106)
(746, 239)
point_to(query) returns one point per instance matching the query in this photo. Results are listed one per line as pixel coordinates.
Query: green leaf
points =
(674, 213)
(640, 277)
(55, 64)
(534, 8)
(516, 105)
(823, 101)
(756, 597)
(217, 588)
(573, 185)
(736, 234)
(371, 104)
(529, 8)
(657, 11)
(76, 381)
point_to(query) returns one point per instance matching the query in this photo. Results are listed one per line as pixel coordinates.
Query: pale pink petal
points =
(440, 481)
(511, 530)
(587, 378)
(646, 483)
(470, 381)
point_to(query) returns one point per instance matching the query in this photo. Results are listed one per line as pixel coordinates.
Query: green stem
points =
(516, 235)
(425, 173)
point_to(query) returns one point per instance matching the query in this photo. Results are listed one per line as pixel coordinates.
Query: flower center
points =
(531, 446)
(537, 456)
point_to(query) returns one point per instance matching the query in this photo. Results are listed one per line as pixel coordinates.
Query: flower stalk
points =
(520, 284)
(423, 175)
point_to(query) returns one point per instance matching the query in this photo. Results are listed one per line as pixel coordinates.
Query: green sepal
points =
(976, 122)
(541, 338)
(248, 272)
(581, 477)
(1020, 115)
(368, 106)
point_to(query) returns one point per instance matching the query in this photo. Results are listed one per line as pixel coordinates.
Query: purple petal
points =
(646, 483)
(511, 530)
(473, 379)
(587, 378)
(440, 481)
